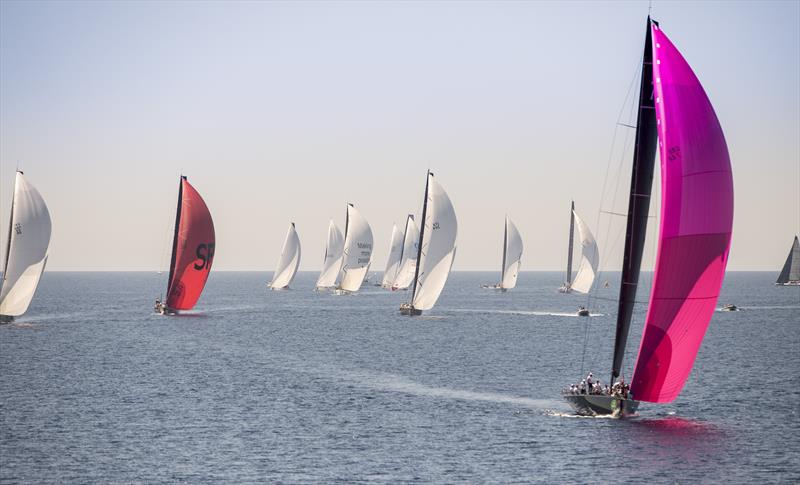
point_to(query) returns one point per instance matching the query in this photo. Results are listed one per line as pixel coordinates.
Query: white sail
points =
(357, 250)
(333, 257)
(393, 261)
(438, 247)
(590, 258)
(512, 256)
(408, 263)
(289, 261)
(26, 248)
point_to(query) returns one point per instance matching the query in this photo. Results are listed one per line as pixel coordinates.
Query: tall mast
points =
(638, 203)
(421, 235)
(571, 237)
(10, 225)
(505, 250)
(175, 234)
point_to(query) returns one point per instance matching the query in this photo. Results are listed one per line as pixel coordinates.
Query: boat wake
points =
(561, 414)
(521, 312)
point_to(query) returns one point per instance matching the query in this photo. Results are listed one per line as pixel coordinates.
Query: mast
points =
(505, 251)
(421, 235)
(571, 237)
(175, 234)
(344, 242)
(10, 225)
(638, 203)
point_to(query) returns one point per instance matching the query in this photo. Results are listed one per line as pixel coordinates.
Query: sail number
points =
(435, 225)
(205, 253)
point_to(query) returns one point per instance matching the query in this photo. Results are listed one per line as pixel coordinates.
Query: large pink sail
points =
(695, 233)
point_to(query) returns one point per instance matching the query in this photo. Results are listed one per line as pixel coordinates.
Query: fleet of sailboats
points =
(676, 117)
(289, 261)
(29, 229)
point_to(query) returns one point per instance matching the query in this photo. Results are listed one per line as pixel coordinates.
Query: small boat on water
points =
(512, 257)
(790, 274)
(332, 263)
(675, 116)
(730, 307)
(29, 229)
(357, 255)
(582, 312)
(436, 250)
(193, 247)
(590, 257)
(289, 261)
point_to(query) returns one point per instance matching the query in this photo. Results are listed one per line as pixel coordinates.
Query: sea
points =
(299, 386)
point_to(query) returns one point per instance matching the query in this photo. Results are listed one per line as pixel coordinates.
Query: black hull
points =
(6, 319)
(601, 405)
(406, 309)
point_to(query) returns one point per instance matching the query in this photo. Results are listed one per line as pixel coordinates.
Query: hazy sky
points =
(286, 111)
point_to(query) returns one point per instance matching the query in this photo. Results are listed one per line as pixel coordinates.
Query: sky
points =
(287, 111)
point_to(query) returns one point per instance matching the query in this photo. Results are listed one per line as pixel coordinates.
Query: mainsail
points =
(408, 260)
(193, 248)
(790, 274)
(357, 250)
(696, 223)
(512, 255)
(590, 258)
(289, 261)
(436, 248)
(333, 257)
(28, 240)
(393, 261)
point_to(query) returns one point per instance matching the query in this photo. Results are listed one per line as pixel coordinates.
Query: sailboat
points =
(790, 274)
(395, 255)
(357, 255)
(289, 261)
(512, 257)
(675, 115)
(408, 256)
(334, 249)
(29, 229)
(590, 257)
(436, 251)
(193, 246)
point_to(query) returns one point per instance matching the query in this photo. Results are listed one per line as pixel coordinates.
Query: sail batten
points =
(289, 261)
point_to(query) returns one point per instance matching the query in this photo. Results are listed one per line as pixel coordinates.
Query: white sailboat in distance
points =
(29, 229)
(408, 258)
(590, 257)
(393, 261)
(512, 257)
(357, 255)
(288, 262)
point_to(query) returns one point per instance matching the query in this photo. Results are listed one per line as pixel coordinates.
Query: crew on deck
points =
(592, 386)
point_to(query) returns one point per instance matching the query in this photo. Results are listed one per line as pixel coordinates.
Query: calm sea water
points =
(296, 386)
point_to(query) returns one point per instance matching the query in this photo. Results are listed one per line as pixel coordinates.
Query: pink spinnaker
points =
(696, 223)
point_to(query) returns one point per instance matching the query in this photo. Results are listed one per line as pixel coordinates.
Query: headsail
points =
(512, 255)
(696, 223)
(333, 257)
(393, 261)
(357, 250)
(791, 268)
(29, 231)
(408, 261)
(289, 261)
(437, 246)
(590, 258)
(193, 248)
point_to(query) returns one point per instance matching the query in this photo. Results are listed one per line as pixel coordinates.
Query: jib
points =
(205, 253)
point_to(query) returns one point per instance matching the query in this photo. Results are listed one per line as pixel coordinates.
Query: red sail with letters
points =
(192, 249)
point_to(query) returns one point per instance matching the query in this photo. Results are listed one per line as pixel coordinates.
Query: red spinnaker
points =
(696, 224)
(192, 250)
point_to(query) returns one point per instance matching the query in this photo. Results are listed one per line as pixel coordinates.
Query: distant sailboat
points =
(676, 116)
(512, 257)
(408, 258)
(357, 252)
(332, 263)
(436, 251)
(590, 257)
(790, 274)
(193, 247)
(393, 261)
(29, 229)
(289, 261)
